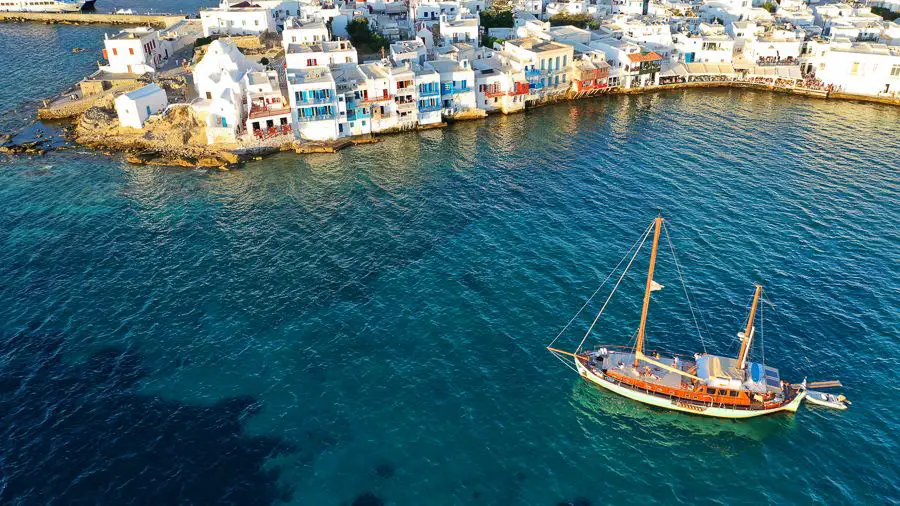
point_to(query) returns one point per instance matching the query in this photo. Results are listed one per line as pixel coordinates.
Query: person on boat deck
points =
(675, 362)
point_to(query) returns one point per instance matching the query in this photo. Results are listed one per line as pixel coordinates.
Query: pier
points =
(155, 20)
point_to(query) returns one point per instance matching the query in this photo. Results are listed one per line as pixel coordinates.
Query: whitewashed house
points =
(314, 103)
(459, 29)
(411, 51)
(379, 96)
(457, 86)
(299, 31)
(242, 18)
(316, 54)
(218, 80)
(354, 111)
(134, 51)
(428, 93)
(863, 68)
(135, 107)
(267, 110)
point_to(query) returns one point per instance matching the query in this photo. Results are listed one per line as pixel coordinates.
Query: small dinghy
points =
(827, 400)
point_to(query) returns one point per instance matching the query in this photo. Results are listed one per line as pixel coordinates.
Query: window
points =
(855, 69)
(734, 393)
(115, 51)
(130, 50)
(895, 71)
(208, 95)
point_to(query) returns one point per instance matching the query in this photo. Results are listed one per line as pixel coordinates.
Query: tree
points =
(580, 20)
(361, 35)
(488, 41)
(492, 18)
(770, 6)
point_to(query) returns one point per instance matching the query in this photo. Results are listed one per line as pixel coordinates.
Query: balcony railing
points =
(533, 73)
(455, 91)
(358, 115)
(429, 93)
(369, 100)
(406, 106)
(494, 93)
(430, 108)
(519, 89)
(317, 117)
(264, 112)
(315, 101)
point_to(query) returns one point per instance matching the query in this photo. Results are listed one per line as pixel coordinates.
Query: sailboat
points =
(703, 384)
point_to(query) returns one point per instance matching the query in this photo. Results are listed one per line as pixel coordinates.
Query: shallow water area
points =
(370, 325)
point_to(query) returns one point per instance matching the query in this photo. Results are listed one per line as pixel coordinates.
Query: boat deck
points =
(622, 362)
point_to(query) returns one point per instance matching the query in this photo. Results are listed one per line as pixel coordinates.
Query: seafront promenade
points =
(85, 18)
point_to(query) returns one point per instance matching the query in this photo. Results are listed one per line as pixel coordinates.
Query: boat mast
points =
(639, 346)
(748, 332)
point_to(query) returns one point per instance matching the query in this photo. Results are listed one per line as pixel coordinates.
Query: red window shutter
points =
(115, 51)
(105, 55)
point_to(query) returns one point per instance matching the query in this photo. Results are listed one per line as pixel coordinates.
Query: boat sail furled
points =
(705, 384)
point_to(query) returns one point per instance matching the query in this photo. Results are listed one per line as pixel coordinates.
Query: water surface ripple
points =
(369, 326)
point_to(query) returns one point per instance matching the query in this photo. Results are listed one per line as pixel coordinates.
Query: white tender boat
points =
(827, 400)
(46, 5)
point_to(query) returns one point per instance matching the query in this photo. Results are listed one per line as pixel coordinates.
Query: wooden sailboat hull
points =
(680, 405)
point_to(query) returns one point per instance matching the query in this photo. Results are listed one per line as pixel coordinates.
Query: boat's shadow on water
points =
(628, 417)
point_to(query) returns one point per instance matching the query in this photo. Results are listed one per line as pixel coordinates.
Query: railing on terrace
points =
(454, 90)
(429, 108)
(262, 112)
(520, 89)
(314, 100)
(406, 106)
(358, 115)
(317, 117)
(369, 100)
(406, 89)
(429, 93)
(770, 62)
(494, 93)
(533, 73)
(649, 68)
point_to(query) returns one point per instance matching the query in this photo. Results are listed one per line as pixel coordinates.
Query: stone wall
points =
(88, 18)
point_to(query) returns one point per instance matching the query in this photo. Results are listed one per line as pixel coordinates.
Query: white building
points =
(314, 103)
(134, 51)
(457, 86)
(217, 79)
(243, 18)
(546, 63)
(428, 93)
(498, 86)
(379, 96)
(315, 54)
(135, 107)
(412, 51)
(864, 69)
(298, 31)
(354, 111)
(711, 45)
(267, 110)
(460, 29)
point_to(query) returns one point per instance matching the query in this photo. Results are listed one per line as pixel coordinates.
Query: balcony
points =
(494, 93)
(267, 111)
(519, 89)
(315, 101)
(383, 98)
(353, 116)
(452, 90)
(533, 73)
(649, 68)
(406, 106)
(317, 117)
(429, 107)
(429, 93)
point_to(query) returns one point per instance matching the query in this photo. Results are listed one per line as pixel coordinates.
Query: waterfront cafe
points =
(781, 75)
(697, 72)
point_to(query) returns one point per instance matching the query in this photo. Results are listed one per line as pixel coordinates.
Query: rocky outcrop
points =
(178, 137)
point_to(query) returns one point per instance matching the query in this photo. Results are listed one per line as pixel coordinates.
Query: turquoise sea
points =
(369, 327)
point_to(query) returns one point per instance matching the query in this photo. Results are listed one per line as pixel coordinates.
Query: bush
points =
(580, 20)
(770, 6)
(488, 41)
(264, 61)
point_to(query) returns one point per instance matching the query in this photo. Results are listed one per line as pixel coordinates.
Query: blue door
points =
(148, 111)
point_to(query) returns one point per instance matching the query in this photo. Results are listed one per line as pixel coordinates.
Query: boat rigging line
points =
(639, 240)
(684, 285)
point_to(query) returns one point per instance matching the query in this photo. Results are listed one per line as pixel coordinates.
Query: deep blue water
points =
(370, 326)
